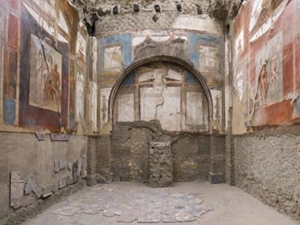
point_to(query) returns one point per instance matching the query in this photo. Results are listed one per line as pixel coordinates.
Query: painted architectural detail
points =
(104, 98)
(209, 59)
(259, 22)
(80, 96)
(93, 105)
(164, 92)
(81, 47)
(239, 44)
(217, 108)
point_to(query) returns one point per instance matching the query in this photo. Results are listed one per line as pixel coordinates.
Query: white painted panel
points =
(162, 103)
(169, 113)
(150, 97)
(208, 60)
(79, 96)
(42, 22)
(93, 104)
(113, 58)
(158, 36)
(126, 108)
(203, 23)
(80, 47)
(194, 108)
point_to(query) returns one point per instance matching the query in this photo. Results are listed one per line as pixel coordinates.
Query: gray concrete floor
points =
(133, 203)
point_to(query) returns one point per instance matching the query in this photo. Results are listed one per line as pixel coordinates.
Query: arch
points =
(187, 65)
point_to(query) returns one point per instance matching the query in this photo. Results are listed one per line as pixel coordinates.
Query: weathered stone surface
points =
(62, 182)
(145, 205)
(60, 137)
(216, 178)
(47, 191)
(16, 189)
(30, 187)
(160, 164)
(56, 166)
(40, 136)
(62, 164)
(83, 169)
(267, 164)
(130, 152)
(75, 168)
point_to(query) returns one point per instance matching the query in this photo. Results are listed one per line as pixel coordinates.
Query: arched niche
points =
(165, 88)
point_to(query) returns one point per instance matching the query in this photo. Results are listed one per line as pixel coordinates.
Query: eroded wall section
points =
(266, 97)
(43, 64)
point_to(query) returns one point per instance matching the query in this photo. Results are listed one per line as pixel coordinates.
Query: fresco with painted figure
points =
(269, 72)
(270, 61)
(45, 75)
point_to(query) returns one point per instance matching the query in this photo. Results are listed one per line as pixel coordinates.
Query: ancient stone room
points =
(149, 112)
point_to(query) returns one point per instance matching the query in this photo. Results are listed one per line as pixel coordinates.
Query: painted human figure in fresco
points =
(53, 81)
(41, 70)
(263, 84)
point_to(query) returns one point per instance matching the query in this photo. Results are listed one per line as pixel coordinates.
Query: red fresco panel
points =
(279, 113)
(297, 42)
(286, 25)
(13, 30)
(12, 75)
(288, 70)
(14, 4)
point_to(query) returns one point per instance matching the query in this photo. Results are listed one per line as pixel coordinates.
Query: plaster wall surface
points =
(42, 167)
(267, 167)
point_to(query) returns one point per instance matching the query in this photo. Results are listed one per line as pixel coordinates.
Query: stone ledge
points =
(216, 178)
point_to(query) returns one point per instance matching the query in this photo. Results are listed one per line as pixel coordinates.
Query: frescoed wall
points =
(42, 84)
(265, 64)
(266, 96)
(37, 70)
(203, 51)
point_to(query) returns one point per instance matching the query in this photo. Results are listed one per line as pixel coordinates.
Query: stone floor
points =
(185, 203)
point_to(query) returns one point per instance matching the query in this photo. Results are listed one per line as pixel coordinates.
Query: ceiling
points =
(92, 11)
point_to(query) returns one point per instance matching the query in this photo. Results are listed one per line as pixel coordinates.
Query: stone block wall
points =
(217, 165)
(91, 160)
(267, 167)
(34, 168)
(103, 156)
(191, 157)
(192, 153)
(160, 164)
